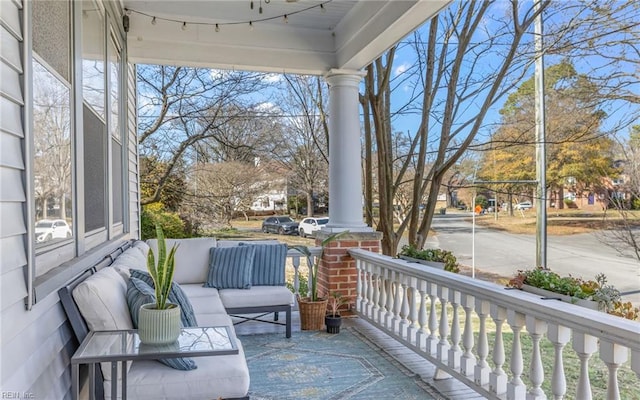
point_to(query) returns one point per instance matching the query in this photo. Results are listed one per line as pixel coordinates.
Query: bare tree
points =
(52, 143)
(473, 54)
(181, 108)
(303, 148)
(225, 189)
(623, 199)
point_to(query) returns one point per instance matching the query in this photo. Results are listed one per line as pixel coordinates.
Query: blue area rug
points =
(317, 365)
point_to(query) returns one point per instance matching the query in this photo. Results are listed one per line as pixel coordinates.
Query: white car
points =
(49, 229)
(310, 225)
(525, 205)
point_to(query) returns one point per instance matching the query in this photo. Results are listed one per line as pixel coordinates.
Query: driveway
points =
(581, 255)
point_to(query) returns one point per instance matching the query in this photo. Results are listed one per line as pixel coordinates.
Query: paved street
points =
(582, 255)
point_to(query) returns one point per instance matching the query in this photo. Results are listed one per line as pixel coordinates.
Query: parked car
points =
(310, 225)
(48, 229)
(524, 205)
(283, 225)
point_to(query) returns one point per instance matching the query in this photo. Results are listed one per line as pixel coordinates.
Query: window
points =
(116, 131)
(77, 138)
(52, 122)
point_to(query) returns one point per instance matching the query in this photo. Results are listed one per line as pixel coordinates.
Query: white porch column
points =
(345, 166)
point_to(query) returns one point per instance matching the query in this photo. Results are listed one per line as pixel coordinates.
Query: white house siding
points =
(35, 345)
(132, 131)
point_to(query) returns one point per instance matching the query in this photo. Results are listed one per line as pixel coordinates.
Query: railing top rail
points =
(608, 327)
(315, 251)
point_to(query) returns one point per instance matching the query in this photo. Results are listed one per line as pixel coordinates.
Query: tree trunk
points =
(310, 204)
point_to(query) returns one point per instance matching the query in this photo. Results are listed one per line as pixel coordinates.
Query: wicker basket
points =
(312, 313)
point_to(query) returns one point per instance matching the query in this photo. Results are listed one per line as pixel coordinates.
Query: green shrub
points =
(303, 288)
(436, 255)
(155, 214)
(482, 201)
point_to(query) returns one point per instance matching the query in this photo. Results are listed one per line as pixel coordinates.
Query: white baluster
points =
(390, 299)
(613, 355)
(584, 345)
(536, 329)
(421, 336)
(432, 340)
(516, 388)
(370, 282)
(635, 362)
(498, 378)
(359, 286)
(468, 360)
(397, 306)
(413, 311)
(404, 310)
(482, 369)
(296, 275)
(455, 352)
(382, 310)
(559, 336)
(376, 294)
(443, 344)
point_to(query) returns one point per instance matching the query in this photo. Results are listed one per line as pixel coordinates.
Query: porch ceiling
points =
(348, 34)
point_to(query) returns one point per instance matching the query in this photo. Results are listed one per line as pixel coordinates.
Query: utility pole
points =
(541, 162)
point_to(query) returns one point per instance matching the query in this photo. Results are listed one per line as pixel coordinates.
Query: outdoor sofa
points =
(97, 300)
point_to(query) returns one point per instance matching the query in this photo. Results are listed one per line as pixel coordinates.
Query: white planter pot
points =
(158, 326)
(547, 294)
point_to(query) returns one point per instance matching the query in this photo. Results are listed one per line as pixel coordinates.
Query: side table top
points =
(100, 346)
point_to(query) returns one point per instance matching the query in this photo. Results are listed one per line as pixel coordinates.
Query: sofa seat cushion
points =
(257, 296)
(205, 301)
(216, 377)
(192, 258)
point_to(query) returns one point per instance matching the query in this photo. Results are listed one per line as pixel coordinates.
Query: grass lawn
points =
(559, 222)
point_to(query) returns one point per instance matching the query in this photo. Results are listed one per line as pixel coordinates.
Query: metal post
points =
(541, 167)
(473, 237)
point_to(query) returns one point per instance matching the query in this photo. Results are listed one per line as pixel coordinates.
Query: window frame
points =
(70, 257)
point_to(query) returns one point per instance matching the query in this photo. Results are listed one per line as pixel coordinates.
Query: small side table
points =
(124, 345)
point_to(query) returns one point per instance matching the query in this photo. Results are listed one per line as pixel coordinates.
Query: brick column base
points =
(337, 269)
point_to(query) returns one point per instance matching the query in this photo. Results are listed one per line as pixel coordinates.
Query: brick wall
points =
(337, 270)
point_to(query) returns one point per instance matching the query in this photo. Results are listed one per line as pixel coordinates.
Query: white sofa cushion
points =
(192, 258)
(132, 258)
(102, 301)
(216, 377)
(205, 301)
(256, 296)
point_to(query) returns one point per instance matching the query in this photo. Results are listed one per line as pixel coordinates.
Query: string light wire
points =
(218, 25)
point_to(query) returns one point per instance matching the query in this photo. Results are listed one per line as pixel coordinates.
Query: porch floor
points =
(448, 388)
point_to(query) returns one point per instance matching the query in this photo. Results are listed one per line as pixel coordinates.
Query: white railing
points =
(296, 259)
(422, 307)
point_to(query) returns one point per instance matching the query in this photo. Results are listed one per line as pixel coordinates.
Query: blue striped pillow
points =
(176, 296)
(230, 267)
(269, 264)
(139, 293)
